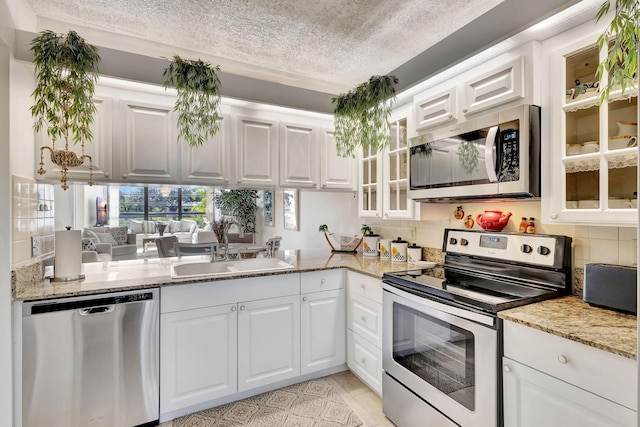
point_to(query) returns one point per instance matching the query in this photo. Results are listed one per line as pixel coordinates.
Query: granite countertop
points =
(138, 274)
(572, 318)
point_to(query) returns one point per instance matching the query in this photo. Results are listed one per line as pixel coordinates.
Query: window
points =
(162, 204)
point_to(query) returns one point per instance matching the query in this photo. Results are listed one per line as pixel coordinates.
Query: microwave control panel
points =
(509, 155)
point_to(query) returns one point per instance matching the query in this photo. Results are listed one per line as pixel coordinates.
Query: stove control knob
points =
(526, 249)
(543, 250)
(453, 241)
(464, 242)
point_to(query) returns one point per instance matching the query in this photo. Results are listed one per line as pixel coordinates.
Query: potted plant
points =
(242, 204)
(66, 70)
(621, 36)
(198, 102)
(362, 115)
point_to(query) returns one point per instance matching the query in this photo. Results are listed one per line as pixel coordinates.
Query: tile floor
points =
(364, 402)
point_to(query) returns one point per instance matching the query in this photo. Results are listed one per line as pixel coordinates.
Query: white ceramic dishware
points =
(627, 128)
(622, 141)
(384, 248)
(573, 149)
(572, 204)
(370, 245)
(414, 254)
(634, 203)
(588, 204)
(590, 147)
(619, 203)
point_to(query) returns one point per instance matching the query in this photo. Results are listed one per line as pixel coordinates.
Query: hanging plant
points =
(361, 115)
(66, 71)
(621, 62)
(420, 145)
(198, 87)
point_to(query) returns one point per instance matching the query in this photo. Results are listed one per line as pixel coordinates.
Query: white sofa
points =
(184, 230)
(116, 241)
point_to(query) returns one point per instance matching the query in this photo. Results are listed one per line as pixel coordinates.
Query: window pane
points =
(194, 204)
(131, 204)
(163, 203)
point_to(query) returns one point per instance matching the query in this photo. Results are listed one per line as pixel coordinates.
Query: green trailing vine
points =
(361, 115)
(241, 204)
(621, 62)
(198, 102)
(66, 69)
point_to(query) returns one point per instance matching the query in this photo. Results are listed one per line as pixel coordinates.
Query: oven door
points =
(446, 355)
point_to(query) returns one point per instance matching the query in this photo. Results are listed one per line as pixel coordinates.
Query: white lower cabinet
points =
(364, 329)
(554, 382)
(199, 356)
(268, 341)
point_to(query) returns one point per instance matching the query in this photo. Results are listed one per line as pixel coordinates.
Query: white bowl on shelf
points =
(619, 203)
(622, 141)
(588, 204)
(572, 204)
(589, 147)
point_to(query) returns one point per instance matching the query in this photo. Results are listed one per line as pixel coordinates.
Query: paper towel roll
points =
(68, 258)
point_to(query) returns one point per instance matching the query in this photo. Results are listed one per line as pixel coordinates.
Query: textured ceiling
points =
(326, 45)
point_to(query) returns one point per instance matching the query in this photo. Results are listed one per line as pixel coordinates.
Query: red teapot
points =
(493, 220)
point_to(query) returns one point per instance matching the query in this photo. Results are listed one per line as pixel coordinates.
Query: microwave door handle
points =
(489, 154)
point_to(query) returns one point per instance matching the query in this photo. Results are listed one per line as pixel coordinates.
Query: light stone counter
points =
(137, 274)
(571, 318)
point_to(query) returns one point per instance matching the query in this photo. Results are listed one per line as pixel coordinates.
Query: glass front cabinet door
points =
(593, 147)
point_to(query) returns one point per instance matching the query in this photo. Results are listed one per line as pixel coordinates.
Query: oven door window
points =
(440, 353)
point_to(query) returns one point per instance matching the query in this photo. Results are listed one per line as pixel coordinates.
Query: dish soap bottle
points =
(531, 226)
(523, 225)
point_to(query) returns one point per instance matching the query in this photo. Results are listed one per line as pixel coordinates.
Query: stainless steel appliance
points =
(91, 361)
(494, 156)
(442, 339)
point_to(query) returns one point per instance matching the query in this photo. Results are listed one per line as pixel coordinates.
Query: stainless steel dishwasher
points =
(91, 361)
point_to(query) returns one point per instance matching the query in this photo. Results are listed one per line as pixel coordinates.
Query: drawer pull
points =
(506, 368)
(562, 358)
(233, 308)
(242, 308)
(323, 281)
(304, 298)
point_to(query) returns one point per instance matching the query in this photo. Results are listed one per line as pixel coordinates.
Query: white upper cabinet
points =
(147, 145)
(591, 157)
(336, 172)
(298, 155)
(500, 85)
(257, 152)
(432, 110)
(99, 149)
(209, 163)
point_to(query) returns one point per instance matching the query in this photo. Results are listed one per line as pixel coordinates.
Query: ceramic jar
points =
(384, 247)
(370, 245)
(414, 253)
(399, 250)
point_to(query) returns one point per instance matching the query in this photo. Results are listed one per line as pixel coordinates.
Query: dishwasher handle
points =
(96, 310)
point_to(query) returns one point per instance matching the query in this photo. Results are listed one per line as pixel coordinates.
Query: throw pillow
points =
(107, 238)
(136, 227)
(88, 244)
(119, 234)
(149, 227)
(174, 226)
(91, 235)
(186, 224)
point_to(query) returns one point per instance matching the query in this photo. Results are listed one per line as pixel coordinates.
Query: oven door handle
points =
(449, 309)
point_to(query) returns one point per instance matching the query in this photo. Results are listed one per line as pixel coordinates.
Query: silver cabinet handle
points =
(242, 308)
(233, 308)
(304, 298)
(562, 358)
(506, 368)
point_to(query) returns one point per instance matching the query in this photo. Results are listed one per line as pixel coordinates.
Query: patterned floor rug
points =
(312, 403)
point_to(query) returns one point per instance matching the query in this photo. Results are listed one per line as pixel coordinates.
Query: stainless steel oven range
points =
(442, 339)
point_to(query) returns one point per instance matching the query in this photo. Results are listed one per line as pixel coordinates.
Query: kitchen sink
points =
(227, 268)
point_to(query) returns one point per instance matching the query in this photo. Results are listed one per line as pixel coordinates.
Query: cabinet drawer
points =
(207, 294)
(317, 281)
(364, 317)
(365, 360)
(365, 286)
(602, 373)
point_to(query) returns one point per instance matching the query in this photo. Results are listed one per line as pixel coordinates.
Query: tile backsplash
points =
(32, 216)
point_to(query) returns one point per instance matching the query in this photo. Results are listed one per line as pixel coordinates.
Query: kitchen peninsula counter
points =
(571, 318)
(138, 274)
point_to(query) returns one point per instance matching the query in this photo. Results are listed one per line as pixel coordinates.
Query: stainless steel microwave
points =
(494, 156)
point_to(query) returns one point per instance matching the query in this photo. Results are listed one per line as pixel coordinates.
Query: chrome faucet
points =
(225, 237)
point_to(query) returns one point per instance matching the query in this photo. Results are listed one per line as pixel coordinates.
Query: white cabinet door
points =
(365, 360)
(298, 155)
(323, 330)
(503, 84)
(534, 399)
(148, 144)
(336, 172)
(199, 356)
(210, 163)
(257, 153)
(432, 110)
(100, 149)
(268, 341)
